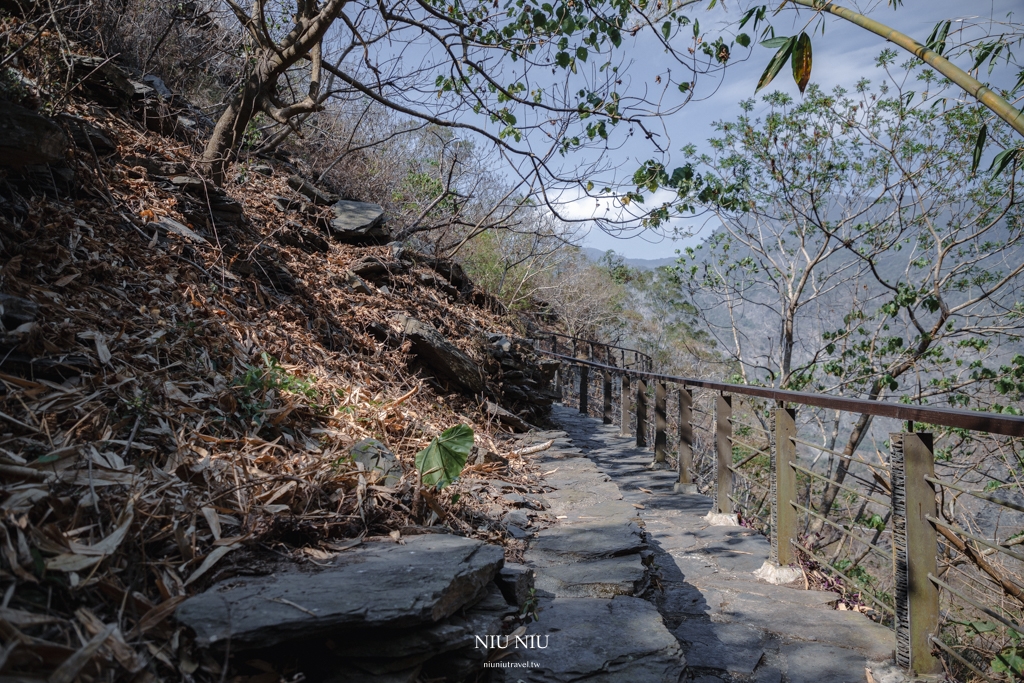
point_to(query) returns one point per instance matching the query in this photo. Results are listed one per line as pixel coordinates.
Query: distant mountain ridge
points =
(596, 255)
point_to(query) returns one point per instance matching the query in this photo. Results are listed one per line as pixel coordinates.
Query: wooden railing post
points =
(915, 547)
(783, 485)
(685, 483)
(723, 449)
(584, 382)
(660, 424)
(606, 414)
(626, 405)
(641, 413)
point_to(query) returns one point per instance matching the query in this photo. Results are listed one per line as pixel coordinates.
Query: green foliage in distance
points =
(442, 461)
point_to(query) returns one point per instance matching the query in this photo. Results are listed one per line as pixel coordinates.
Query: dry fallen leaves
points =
(192, 418)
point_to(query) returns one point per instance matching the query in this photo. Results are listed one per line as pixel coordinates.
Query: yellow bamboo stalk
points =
(1000, 107)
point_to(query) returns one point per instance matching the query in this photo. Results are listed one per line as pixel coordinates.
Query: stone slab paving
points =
(728, 626)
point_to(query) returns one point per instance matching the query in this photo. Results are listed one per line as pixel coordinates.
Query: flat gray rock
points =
(377, 585)
(601, 500)
(813, 663)
(586, 540)
(808, 598)
(607, 578)
(358, 223)
(601, 641)
(797, 623)
(407, 647)
(734, 648)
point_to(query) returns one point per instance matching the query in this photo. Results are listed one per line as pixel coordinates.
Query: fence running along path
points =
(911, 523)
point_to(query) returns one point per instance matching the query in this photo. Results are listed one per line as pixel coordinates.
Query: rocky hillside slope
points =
(200, 382)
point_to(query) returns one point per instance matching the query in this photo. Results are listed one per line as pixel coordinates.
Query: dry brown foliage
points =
(193, 414)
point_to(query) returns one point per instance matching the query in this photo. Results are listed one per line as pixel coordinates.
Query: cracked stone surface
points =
(729, 626)
(429, 578)
(601, 641)
(589, 565)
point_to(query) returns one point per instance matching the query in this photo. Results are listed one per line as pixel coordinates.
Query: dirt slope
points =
(183, 372)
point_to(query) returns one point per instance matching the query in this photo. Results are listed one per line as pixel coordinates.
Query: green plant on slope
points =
(442, 461)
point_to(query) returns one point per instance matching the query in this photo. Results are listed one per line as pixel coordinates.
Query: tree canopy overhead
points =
(539, 80)
(548, 84)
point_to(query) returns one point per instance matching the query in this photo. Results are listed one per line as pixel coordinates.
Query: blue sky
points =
(842, 56)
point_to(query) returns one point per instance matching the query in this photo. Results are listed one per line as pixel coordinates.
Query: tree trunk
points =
(860, 430)
(230, 129)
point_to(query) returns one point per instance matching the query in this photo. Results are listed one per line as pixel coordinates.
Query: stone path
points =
(706, 618)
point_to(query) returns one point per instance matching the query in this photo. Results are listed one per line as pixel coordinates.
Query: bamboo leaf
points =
(937, 38)
(774, 66)
(442, 461)
(778, 41)
(1020, 82)
(1003, 159)
(802, 61)
(983, 51)
(979, 145)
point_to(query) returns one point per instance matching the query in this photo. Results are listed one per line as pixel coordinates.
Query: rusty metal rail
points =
(912, 522)
(630, 359)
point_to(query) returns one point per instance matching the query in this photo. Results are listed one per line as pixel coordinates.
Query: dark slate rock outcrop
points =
(315, 194)
(441, 356)
(600, 641)
(28, 139)
(379, 585)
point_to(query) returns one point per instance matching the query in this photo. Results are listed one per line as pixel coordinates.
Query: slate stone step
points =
(597, 640)
(731, 627)
(606, 578)
(377, 585)
(588, 540)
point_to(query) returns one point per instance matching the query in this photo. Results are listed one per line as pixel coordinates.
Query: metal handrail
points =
(909, 484)
(974, 537)
(998, 617)
(736, 422)
(638, 355)
(887, 554)
(825, 563)
(744, 444)
(1007, 425)
(952, 653)
(749, 478)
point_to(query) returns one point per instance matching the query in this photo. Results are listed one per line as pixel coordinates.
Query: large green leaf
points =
(777, 62)
(442, 461)
(1008, 661)
(802, 61)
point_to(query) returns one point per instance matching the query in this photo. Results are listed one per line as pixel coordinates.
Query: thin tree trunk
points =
(860, 430)
(230, 130)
